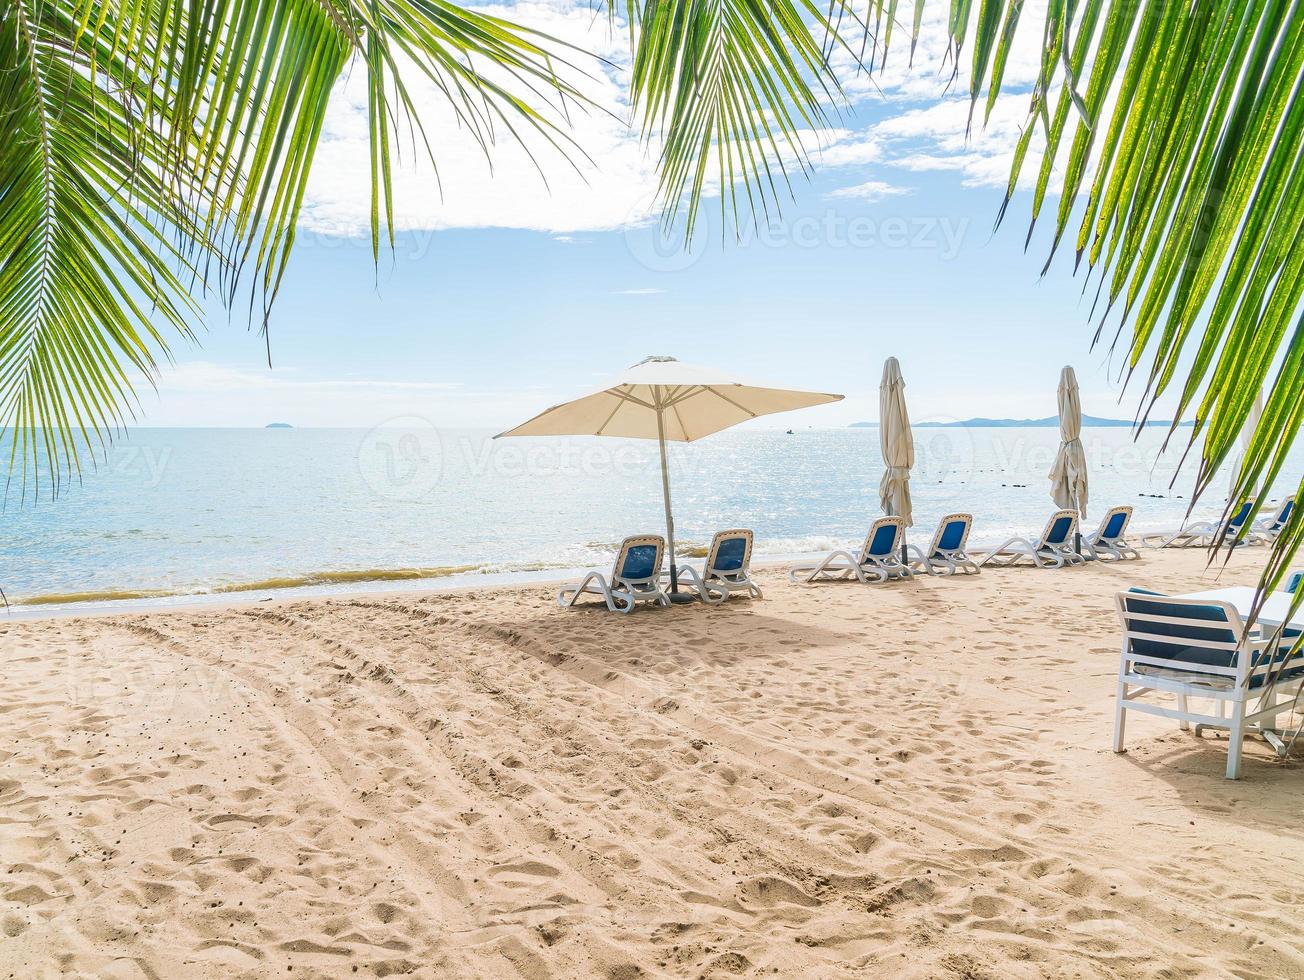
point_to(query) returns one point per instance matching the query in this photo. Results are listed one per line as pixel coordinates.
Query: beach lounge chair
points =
(946, 554)
(1200, 648)
(726, 569)
(878, 561)
(1204, 533)
(635, 577)
(1295, 582)
(1054, 549)
(1268, 528)
(1107, 540)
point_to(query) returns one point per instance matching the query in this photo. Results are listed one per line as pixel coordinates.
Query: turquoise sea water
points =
(187, 511)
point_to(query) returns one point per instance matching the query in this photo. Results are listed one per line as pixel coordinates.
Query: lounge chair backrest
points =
(952, 534)
(731, 552)
(1295, 582)
(1241, 516)
(1060, 527)
(1114, 524)
(1283, 515)
(884, 538)
(639, 559)
(1163, 627)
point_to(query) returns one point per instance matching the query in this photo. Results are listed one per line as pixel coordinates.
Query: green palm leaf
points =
(158, 148)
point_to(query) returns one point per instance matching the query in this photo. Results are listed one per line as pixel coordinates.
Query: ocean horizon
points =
(176, 513)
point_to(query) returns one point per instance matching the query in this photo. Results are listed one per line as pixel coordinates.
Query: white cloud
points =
(612, 183)
(871, 191)
(923, 108)
(931, 73)
(613, 187)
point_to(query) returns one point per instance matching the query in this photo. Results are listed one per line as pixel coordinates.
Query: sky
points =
(505, 294)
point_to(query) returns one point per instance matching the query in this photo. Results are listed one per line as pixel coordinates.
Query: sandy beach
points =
(839, 780)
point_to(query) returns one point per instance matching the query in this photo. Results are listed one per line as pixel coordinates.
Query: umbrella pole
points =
(675, 595)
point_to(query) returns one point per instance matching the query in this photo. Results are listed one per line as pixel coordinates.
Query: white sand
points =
(839, 780)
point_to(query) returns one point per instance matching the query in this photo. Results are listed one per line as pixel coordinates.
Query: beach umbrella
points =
(896, 443)
(1068, 477)
(667, 400)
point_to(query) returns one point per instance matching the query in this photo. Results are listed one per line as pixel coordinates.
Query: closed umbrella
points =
(896, 443)
(1247, 434)
(1068, 477)
(667, 400)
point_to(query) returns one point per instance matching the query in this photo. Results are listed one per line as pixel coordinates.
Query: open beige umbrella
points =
(1068, 477)
(666, 399)
(896, 442)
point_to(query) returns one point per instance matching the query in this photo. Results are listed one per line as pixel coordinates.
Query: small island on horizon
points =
(279, 425)
(1049, 421)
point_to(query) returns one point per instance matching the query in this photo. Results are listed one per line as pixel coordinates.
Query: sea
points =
(167, 516)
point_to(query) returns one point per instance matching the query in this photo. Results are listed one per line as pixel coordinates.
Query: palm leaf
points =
(157, 148)
(1182, 159)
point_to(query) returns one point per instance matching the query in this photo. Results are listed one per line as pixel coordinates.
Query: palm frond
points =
(155, 149)
(734, 88)
(87, 279)
(1177, 147)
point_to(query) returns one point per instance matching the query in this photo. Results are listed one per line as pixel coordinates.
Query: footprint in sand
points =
(767, 891)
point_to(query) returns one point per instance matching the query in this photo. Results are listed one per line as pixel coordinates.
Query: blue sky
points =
(503, 296)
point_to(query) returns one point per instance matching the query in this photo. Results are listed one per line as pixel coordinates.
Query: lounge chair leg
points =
(1120, 716)
(1183, 723)
(1269, 722)
(1236, 734)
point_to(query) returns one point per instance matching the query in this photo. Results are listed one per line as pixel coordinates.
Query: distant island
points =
(279, 425)
(1049, 421)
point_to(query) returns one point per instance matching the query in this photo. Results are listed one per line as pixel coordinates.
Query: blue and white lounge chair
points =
(1202, 534)
(1107, 540)
(635, 577)
(1200, 648)
(1295, 582)
(946, 554)
(726, 569)
(1054, 549)
(879, 559)
(1270, 527)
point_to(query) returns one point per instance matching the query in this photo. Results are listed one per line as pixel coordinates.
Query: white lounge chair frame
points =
(1269, 528)
(1202, 534)
(1113, 548)
(1043, 553)
(714, 585)
(945, 561)
(1228, 687)
(620, 592)
(865, 567)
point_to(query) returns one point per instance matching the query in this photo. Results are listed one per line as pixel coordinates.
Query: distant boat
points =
(790, 432)
(279, 425)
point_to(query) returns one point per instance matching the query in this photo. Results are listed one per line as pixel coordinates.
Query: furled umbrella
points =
(667, 400)
(897, 445)
(1068, 477)
(1247, 436)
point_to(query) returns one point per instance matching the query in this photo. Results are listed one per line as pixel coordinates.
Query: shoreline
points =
(452, 583)
(469, 582)
(347, 582)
